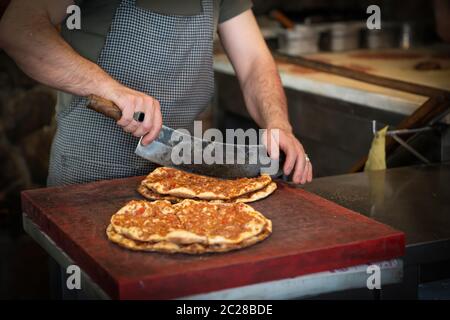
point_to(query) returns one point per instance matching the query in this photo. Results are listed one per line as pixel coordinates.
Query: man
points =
(151, 56)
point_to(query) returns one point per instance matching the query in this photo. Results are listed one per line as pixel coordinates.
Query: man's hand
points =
(28, 33)
(296, 159)
(131, 101)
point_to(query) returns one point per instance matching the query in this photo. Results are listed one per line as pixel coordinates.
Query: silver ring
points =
(307, 158)
(139, 116)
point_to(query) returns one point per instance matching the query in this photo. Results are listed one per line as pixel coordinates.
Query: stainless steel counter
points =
(304, 286)
(415, 200)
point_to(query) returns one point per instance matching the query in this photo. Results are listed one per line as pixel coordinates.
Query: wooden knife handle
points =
(105, 107)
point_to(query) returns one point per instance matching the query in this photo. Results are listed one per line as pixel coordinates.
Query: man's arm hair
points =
(29, 35)
(256, 70)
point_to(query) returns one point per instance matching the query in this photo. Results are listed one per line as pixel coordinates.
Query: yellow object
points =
(377, 153)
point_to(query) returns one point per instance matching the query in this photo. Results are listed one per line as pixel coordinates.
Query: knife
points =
(165, 150)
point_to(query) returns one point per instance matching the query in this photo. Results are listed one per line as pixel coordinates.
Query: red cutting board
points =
(310, 234)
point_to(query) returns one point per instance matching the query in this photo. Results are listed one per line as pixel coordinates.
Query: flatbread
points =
(196, 248)
(246, 198)
(173, 182)
(146, 221)
(257, 195)
(221, 223)
(152, 195)
(188, 222)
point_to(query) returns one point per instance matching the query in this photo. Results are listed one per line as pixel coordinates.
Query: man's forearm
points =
(263, 92)
(264, 95)
(36, 46)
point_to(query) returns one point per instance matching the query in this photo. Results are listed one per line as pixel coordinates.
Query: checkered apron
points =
(169, 57)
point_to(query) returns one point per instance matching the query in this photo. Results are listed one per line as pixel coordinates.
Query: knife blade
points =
(176, 148)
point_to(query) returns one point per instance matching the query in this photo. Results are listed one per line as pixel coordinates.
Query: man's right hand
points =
(131, 101)
(28, 34)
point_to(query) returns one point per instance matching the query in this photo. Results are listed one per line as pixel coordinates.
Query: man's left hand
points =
(297, 161)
